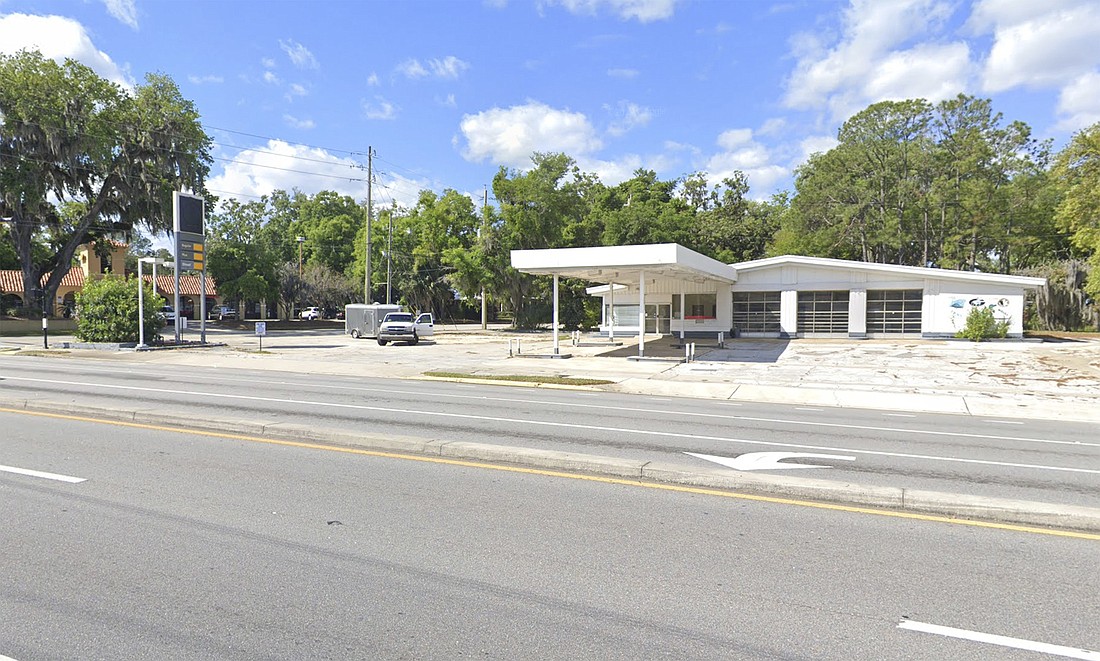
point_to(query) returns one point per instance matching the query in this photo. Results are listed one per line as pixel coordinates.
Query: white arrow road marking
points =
(762, 461)
(1003, 641)
(49, 476)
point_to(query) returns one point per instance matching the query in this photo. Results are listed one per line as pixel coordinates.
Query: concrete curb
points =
(962, 506)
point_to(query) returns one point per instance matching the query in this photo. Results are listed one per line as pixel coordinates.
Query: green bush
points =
(107, 311)
(982, 325)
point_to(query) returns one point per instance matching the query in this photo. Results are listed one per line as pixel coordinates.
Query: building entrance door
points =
(658, 319)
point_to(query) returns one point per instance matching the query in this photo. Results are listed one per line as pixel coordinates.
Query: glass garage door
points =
(823, 312)
(894, 310)
(756, 311)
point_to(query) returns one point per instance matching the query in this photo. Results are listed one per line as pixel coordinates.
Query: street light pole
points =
(301, 240)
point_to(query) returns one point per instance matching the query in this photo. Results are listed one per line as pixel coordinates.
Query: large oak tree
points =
(82, 158)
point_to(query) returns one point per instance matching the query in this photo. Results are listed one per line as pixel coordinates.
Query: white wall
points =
(947, 304)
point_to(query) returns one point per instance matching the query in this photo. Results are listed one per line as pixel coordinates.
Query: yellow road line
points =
(575, 476)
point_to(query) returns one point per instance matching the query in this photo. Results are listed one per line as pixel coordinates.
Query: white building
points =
(688, 294)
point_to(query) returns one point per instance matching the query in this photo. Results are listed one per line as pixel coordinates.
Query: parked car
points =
(222, 312)
(310, 313)
(168, 313)
(403, 327)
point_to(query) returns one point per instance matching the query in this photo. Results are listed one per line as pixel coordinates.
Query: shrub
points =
(982, 325)
(107, 311)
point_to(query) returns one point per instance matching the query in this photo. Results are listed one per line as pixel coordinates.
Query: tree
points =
(1077, 171)
(71, 140)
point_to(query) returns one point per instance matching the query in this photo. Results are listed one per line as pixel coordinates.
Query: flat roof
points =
(622, 264)
(919, 271)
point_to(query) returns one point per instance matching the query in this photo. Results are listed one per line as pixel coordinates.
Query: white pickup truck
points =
(402, 327)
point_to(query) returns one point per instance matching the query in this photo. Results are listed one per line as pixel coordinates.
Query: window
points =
(823, 312)
(894, 310)
(756, 311)
(701, 306)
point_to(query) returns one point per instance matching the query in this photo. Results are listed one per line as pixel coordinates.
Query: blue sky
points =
(446, 92)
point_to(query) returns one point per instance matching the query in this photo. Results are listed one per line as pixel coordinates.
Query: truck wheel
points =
(381, 342)
(355, 333)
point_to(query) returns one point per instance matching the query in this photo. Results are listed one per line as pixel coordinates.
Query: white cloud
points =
(58, 37)
(297, 90)
(815, 144)
(872, 57)
(124, 11)
(294, 122)
(743, 154)
(379, 109)
(278, 165)
(449, 67)
(205, 80)
(625, 74)
(927, 71)
(1079, 103)
(412, 68)
(1038, 44)
(372, 80)
(270, 77)
(628, 116)
(508, 136)
(268, 62)
(643, 11)
(622, 168)
(298, 54)
(772, 126)
(734, 139)
(447, 101)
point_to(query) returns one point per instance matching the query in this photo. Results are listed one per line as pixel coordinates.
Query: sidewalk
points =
(1047, 380)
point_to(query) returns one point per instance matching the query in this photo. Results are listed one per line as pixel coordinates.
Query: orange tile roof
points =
(11, 282)
(189, 285)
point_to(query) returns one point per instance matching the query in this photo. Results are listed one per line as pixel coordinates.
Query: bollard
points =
(721, 339)
(45, 331)
(519, 347)
(687, 352)
(693, 352)
(509, 347)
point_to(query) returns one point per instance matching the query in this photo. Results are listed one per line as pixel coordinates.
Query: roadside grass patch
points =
(43, 352)
(523, 378)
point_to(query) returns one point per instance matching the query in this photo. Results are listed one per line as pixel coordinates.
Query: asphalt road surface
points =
(180, 545)
(1047, 461)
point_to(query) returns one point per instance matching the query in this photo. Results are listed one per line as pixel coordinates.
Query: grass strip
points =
(523, 378)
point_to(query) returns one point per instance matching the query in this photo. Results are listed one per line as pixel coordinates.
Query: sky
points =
(446, 92)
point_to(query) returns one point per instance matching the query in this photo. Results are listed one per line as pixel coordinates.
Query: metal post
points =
(555, 314)
(45, 330)
(141, 307)
(641, 313)
(611, 321)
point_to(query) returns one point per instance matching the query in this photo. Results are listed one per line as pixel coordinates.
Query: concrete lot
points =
(1049, 379)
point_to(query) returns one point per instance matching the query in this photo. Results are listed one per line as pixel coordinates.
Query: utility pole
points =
(370, 176)
(389, 260)
(484, 217)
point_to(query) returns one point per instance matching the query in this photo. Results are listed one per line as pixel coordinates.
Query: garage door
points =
(756, 311)
(823, 312)
(894, 310)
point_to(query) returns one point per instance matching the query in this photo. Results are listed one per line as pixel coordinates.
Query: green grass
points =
(523, 378)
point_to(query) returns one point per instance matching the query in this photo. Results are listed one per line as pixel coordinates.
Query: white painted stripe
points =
(6, 658)
(48, 476)
(563, 404)
(806, 408)
(1006, 422)
(1003, 641)
(900, 415)
(567, 425)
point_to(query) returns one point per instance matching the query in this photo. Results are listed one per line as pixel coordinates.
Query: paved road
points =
(187, 546)
(1047, 461)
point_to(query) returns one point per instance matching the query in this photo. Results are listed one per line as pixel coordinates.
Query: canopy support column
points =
(555, 329)
(641, 313)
